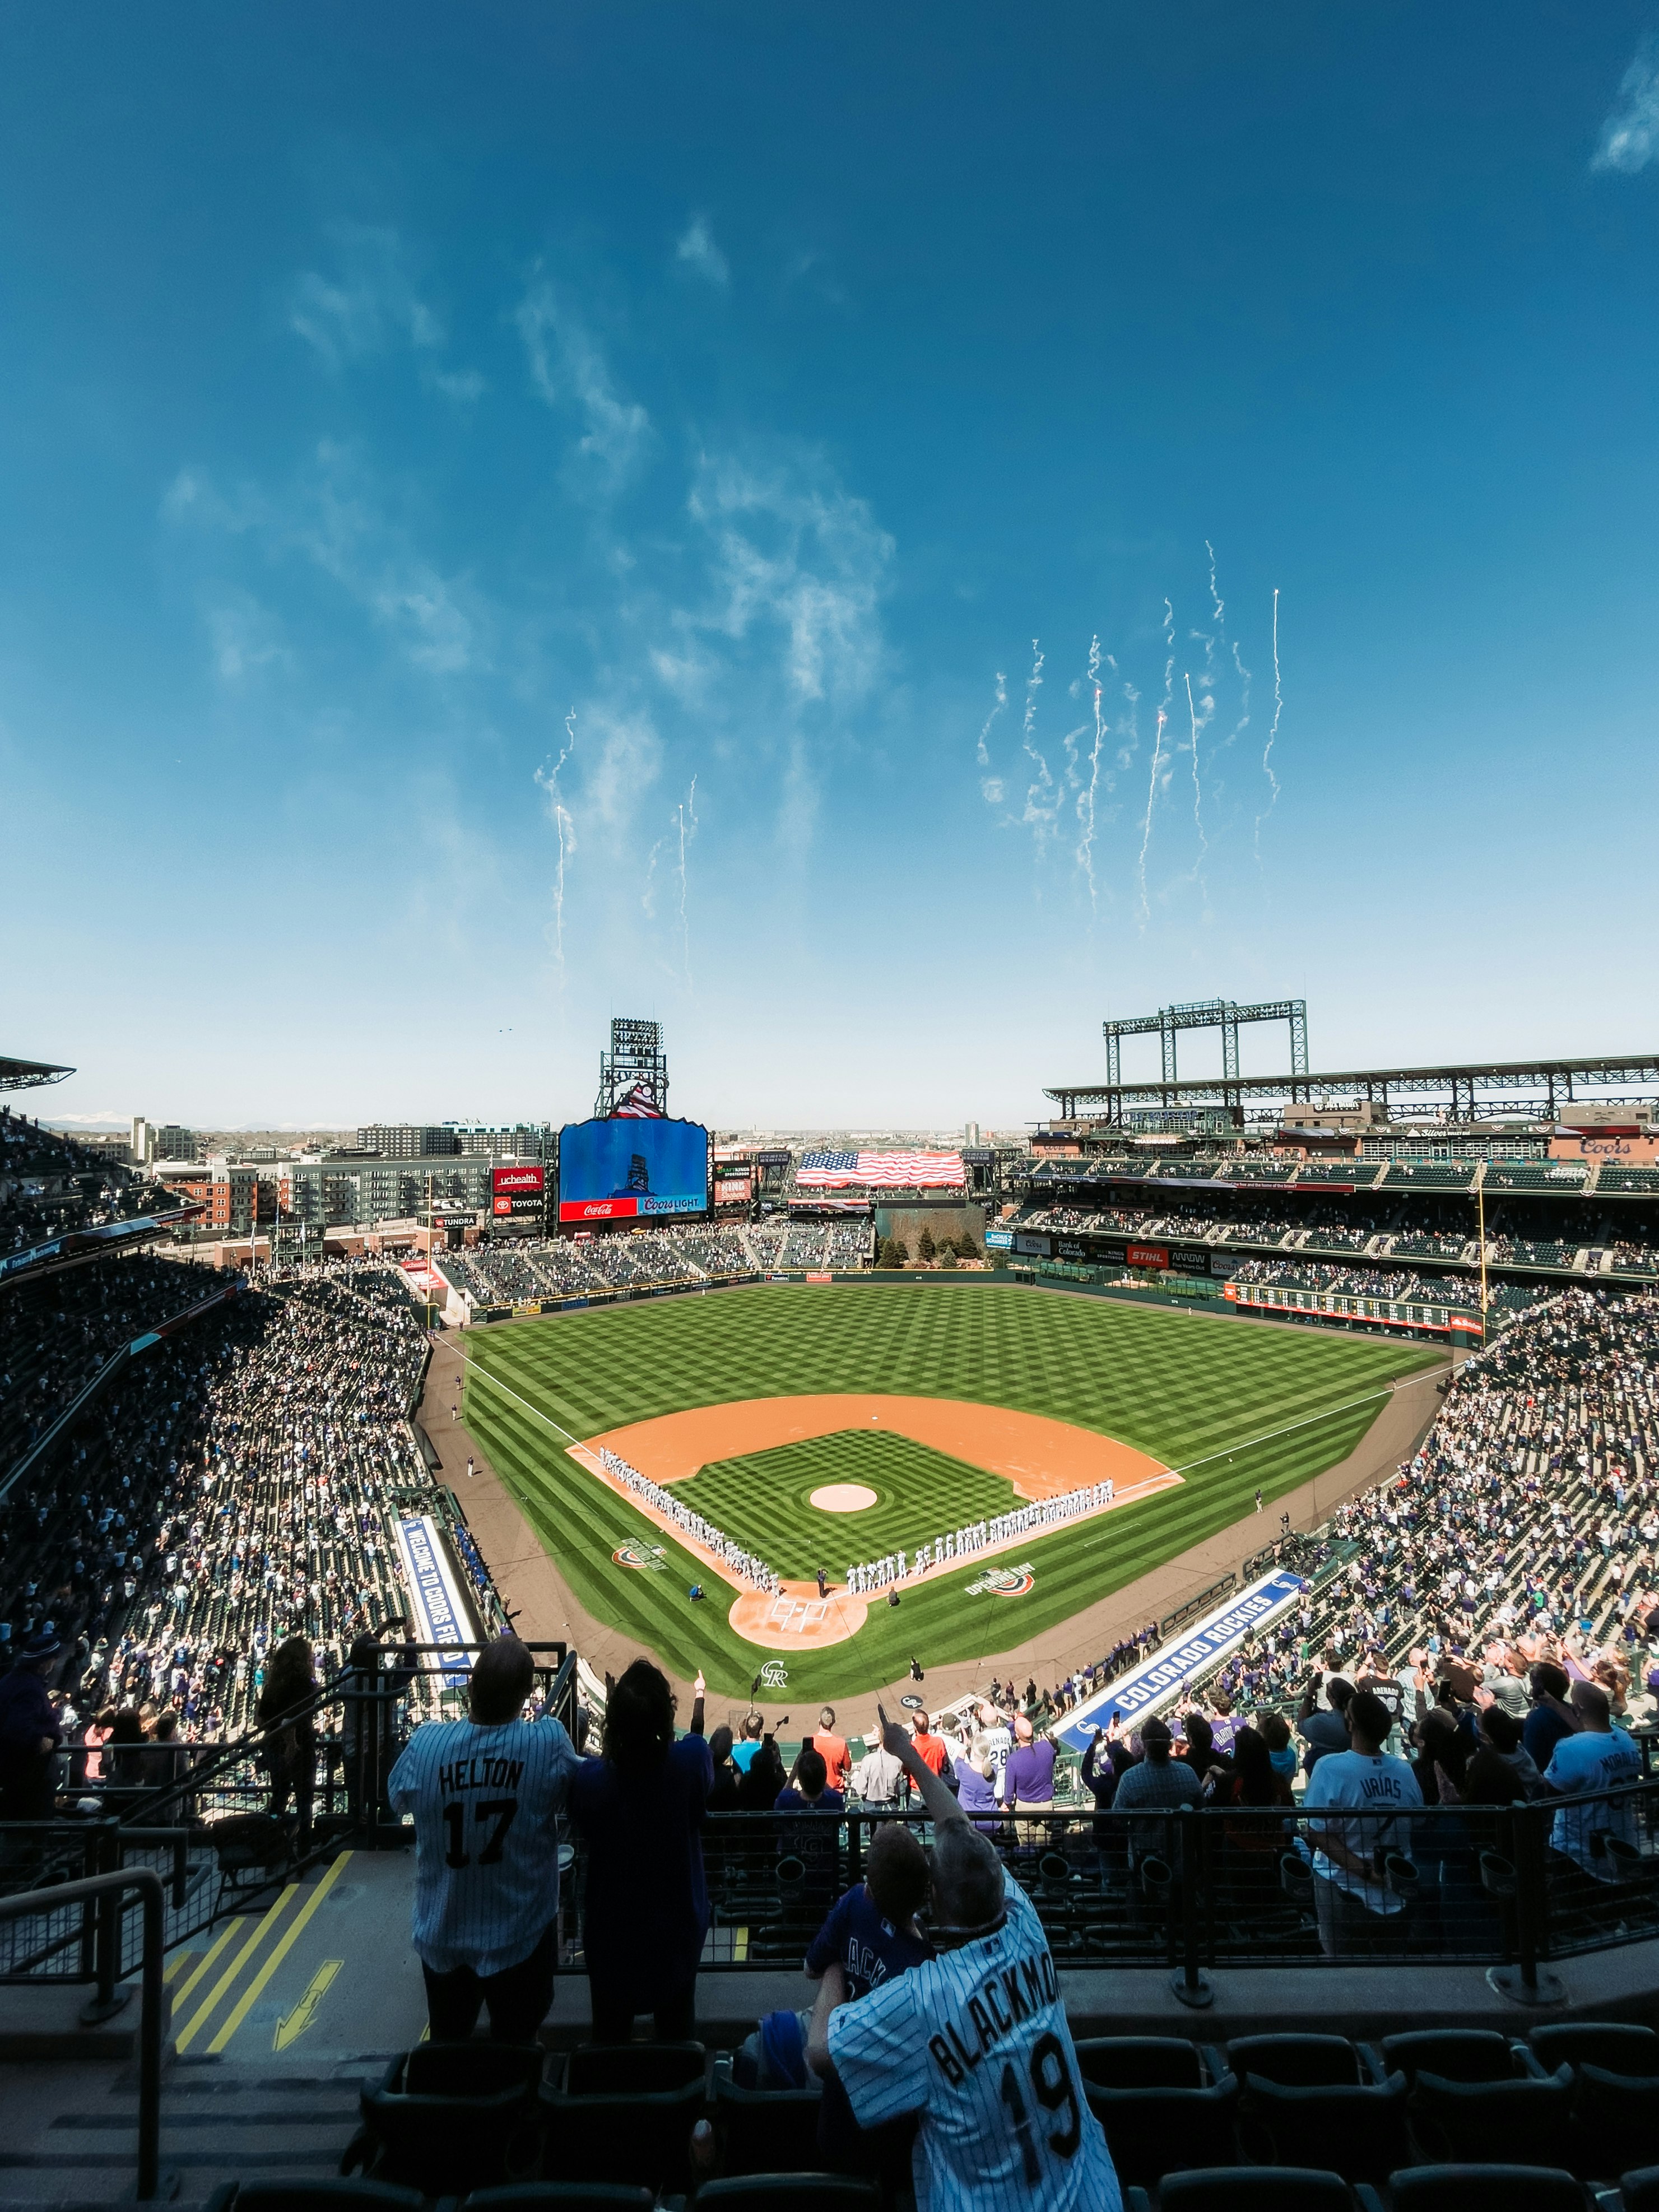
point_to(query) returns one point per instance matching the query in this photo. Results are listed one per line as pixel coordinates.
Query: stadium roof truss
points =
(1467, 1092)
(29, 1074)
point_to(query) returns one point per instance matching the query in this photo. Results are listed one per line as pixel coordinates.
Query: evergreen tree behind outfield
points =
(925, 1245)
(894, 1253)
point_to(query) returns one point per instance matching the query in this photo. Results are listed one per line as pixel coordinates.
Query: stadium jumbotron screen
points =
(627, 1168)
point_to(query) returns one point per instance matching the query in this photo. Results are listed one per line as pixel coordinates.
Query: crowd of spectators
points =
(530, 1270)
(50, 1183)
(1525, 1531)
(237, 1487)
(57, 1332)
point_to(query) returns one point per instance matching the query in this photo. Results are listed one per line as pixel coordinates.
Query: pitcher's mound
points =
(843, 1498)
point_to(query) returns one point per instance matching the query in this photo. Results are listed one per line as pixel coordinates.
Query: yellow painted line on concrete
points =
(740, 1944)
(204, 1966)
(198, 2018)
(296, 1929)
(176, 1965)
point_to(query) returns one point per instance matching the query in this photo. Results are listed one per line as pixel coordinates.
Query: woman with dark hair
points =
(639, 1808)
(290, 1750)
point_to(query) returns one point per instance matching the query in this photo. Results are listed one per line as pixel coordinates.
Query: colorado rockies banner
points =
(1158, 1680)
(442, 1614)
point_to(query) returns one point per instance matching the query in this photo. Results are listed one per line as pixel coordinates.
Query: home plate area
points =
(779, 1476)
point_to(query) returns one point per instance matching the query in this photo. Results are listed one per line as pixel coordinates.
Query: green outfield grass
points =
(1238, 1405)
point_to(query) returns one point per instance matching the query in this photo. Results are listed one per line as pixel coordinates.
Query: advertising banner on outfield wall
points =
(1000, 1240)
(1159, 1680)
(1148, 1255)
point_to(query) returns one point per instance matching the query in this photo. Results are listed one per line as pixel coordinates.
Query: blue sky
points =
(521, 513)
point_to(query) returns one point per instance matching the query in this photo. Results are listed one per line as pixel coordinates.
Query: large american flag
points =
(879, 1170)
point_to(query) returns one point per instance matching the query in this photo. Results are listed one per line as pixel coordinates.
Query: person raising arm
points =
(973, 2041)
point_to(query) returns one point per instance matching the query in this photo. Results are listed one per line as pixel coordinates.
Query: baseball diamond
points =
(1216, 1409)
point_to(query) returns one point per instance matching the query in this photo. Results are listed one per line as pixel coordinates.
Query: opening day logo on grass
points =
(648, 1557)
(1003, 1582)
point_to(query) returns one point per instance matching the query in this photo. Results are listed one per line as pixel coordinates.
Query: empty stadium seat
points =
(1640, 2189)
(1297, 2062)
(1247, 2189)
(450, 2116)
(1485, 2188)
(1490, 2122)
(1456, 2054)
(636, 2136)
(1357, 2129)
(598, 2069)
(1615, 2122)
(559, 2196)
(764, 2130)
(783, 2192)
(1144, 2061)
(1151, 2132)
(1623, 2047)
(279, 2195)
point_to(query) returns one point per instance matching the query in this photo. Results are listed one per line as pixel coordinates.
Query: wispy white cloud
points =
(334, 519)
(367, 304)
(245, 636)
(1630, 137)
(568, 370)
(796, 554)
(697, 252)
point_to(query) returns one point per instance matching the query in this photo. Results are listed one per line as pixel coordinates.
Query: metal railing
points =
(98, 1892)
(1502, 1888)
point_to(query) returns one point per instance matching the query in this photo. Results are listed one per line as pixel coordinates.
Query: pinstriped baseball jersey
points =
(975, 2042)
(486, 1802)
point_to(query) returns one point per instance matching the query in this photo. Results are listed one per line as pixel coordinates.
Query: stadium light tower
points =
(634, 1073)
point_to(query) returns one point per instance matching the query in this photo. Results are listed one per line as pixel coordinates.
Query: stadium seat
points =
(1144, 2061)
(1615, 2122)
(1640, 2189)
(764, 2130)
(559, 2196)
(1298, 2061)
(279, 2195)
(782, 2192)
(1247, 2189)
(1150, 2132)
(598, 2069)
(1456, 2054)
(1622, 2046)
(1489, 2122)
(449, 2116)
(636, 2136)
(1483, 2189)
(1357, 2129)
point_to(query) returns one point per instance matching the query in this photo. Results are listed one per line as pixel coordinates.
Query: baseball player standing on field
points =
(486, 1793)
(974, 2040)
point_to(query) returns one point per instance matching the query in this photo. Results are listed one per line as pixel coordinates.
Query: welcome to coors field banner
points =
(441, 1613)
(1157, 1681)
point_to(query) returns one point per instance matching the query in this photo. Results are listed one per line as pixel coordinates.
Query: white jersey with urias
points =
(975, 2041)
(486, 1802)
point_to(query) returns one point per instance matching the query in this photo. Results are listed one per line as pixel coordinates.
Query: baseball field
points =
(914, 1406)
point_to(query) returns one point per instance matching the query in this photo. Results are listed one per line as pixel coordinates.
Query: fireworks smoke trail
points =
(991, 786)
(1040, 804)
(563, 822)
(1197, 788)
(649, 896)
(1146, 826)
(686, 814)
(1085, 804)
(1267, 750)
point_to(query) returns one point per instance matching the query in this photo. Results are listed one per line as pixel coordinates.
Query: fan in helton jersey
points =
(486, 1793)
(973, 2041)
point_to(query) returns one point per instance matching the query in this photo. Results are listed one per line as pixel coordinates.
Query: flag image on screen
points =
(631, 1168)
(880, 1171)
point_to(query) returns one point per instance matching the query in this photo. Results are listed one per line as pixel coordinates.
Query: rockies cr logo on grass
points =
(774, 1675)
(648, 1557)
(1002, 1582)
